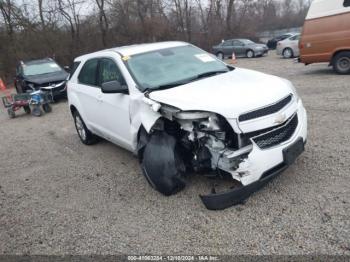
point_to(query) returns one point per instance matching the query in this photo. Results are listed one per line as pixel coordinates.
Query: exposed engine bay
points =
(184, 142)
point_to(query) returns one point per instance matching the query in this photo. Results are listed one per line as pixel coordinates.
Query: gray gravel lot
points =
(58, 196)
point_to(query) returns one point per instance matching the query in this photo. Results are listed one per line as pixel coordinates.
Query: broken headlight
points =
(198, 120)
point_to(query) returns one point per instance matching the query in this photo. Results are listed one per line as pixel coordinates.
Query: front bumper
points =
(261, 52)
(278, 51)
(55, 92)
(259, 167)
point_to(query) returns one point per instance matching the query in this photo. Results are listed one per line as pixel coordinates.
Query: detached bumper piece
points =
(237, 196)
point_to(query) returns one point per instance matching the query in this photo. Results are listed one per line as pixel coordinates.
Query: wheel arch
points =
(336, 53)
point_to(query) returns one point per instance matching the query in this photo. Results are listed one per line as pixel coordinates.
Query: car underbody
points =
(181, 143)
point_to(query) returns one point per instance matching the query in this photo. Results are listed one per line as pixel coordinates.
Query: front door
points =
(295, 44)
(114, 115)
(238, 48)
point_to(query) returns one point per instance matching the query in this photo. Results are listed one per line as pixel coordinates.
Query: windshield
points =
(42, 68)
(247, 41)
(159, 68)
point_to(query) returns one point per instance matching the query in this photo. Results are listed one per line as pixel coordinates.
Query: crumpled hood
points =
(229, 94)
(47, 78)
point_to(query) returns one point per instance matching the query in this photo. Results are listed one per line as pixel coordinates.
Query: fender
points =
(143, 113)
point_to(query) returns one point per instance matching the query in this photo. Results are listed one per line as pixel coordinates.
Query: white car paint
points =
(291, 43)
(119, 117)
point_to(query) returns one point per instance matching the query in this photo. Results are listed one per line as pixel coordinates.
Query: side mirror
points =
(114, 87)
(67, 69)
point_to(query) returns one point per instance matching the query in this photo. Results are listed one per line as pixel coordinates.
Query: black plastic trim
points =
(268, 110)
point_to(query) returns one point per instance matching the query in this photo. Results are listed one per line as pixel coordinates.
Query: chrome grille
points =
(271, 109)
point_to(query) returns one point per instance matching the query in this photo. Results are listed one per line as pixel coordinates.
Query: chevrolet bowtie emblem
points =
(280, 119)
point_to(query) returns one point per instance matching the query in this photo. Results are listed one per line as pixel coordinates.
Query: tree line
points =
(64, 29)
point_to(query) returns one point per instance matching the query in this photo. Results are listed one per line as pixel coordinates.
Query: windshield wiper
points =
(167, 86)
(185, 81)
(210, 73)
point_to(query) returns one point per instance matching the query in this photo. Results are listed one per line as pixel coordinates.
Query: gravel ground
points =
(58, 196)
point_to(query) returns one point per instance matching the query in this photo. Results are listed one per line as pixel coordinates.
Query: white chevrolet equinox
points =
(182, 111)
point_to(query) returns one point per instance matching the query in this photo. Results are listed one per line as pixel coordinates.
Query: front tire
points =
(85, 135)
(162, 163)
(288, 53)
(341, 63)
(250, 54)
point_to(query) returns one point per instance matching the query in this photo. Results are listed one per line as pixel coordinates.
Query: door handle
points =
(99, 99)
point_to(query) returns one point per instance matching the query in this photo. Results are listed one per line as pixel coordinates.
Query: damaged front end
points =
(183, 142)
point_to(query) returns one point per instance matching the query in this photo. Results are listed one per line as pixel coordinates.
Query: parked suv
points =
(181, 111)
(43, 74)
(240, 47)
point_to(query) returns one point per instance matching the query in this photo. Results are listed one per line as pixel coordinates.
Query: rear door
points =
(89, 94)
(227, 48)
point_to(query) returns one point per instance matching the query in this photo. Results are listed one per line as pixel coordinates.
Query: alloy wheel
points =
(80, 128)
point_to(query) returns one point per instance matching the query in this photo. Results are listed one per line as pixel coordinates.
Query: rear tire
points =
(341, 63)
(220, 56)
(250, 54)
(85, 135)
(287, 53)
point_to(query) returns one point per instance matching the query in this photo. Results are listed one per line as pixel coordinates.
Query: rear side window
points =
(227, 43)
(346, 3)
(88, 74)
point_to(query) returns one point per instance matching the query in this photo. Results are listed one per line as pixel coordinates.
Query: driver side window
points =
(109, 71)
(346, 3)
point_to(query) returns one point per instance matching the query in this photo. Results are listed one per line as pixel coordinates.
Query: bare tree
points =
(103, 21)
(67, 28)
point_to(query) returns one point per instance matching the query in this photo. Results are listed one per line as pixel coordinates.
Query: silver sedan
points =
(289, 47)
